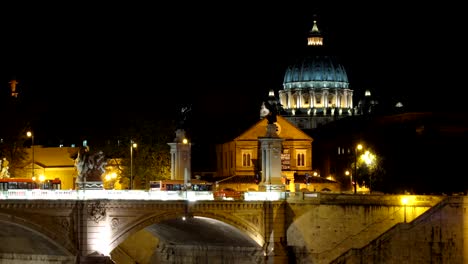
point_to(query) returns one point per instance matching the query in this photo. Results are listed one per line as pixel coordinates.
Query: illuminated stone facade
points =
(307, 228)
(52, 163)
(242, 157)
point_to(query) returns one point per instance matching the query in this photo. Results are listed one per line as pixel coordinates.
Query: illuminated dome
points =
(315, 87)
(316, 72)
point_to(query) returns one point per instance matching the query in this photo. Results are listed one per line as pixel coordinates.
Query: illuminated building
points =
(316, 89)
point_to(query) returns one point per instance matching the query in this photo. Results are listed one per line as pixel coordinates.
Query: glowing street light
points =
(132, 146)
(370, 160)
(404, 201)
(350, 177)
(31, 135)
(41, 181)
(358, 148)
(110, 179)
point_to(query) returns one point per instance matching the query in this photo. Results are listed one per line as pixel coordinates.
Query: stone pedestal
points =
(181, 157)
(271, 146)
(271, 188)
(89, 185)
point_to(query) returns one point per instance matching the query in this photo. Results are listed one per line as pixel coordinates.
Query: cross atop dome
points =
(315, 37)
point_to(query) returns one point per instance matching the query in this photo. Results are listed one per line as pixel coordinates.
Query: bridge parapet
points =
(90, 221)
(38, 194)
(363, 199)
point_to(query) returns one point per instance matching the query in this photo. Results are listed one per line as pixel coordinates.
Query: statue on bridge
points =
(183, 116)
(90, 167)
(271, 108)
(4, 173)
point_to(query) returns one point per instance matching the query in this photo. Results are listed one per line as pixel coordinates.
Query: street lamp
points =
(351, 178)
(369, 159)
(358, 147)
(31, 135)
(132, 146)
(404, 201)
(110, 179)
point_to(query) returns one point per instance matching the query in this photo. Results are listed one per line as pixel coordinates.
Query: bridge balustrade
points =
(38, 194)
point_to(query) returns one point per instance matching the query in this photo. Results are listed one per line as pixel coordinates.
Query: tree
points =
(17, 117)
(370, 172)
(151, 157)
(12, 144)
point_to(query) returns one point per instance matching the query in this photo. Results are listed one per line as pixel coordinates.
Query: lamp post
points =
(350, 177)
(132, 146)
(31, 135)
(369, 159)
(354, 178)
(404, 201)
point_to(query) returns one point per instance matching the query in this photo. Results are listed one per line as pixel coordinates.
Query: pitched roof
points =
(287, 130)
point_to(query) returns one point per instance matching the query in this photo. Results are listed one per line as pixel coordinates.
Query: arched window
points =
(300, 158)
(246, 158)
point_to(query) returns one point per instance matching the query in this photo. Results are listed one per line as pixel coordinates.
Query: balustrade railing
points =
(38, 194)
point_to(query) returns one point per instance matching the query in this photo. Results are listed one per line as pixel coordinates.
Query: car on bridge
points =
(228, 194)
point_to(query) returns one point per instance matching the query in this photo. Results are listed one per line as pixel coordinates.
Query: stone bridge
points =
(301, 228)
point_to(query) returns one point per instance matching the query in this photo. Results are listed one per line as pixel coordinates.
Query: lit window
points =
(300, 158)
(246, 158)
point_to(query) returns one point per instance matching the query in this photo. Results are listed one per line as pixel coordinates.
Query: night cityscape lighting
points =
(313, 133)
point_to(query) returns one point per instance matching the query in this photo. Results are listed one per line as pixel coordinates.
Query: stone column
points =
(325, 98)
(312, 98)
(180, 157)
(299, 100)
(345, 97)
(337, 96)
(270, 147)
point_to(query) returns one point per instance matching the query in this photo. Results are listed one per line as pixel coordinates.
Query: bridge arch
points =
(242, 227)
(49, 242)
(251, 228)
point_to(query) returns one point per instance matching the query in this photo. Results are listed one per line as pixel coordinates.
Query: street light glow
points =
(132, 146)
(354, 176)
(368, 158)
(404, 201)
(31, 135)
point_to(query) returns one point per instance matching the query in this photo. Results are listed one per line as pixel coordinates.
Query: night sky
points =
(149, 58)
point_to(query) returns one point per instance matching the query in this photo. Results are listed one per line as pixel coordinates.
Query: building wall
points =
(52, 163)
(230, 154)
(245, 146)
(66, 175)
